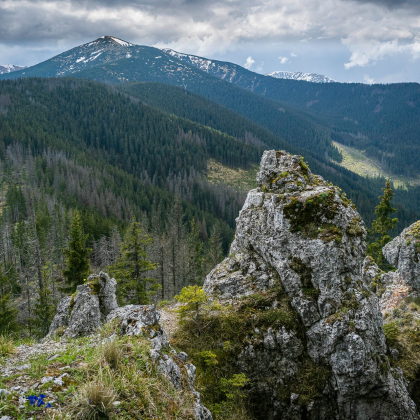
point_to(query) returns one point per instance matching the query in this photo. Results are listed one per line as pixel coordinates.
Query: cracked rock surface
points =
(297, 229)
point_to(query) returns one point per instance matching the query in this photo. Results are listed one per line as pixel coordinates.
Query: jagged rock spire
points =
(297, 232)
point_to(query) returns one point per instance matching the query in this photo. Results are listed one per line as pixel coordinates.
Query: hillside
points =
(382, 120)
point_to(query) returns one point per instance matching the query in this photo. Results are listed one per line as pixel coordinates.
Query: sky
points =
(369, 41)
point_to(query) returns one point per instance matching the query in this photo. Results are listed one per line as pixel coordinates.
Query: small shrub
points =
(391, 333)
(7, 346)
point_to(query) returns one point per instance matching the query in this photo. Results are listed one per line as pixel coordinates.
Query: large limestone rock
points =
(83, 312)
(297, 232)
(403, 253)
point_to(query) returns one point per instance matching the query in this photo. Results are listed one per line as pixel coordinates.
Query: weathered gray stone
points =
(403, 253)
(297, 228)
(106, 294)
(85, 315)
(82, 313)
(61, 318)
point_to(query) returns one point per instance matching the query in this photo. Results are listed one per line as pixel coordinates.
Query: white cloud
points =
(370, 30)
(249, 63)
(293, 55)
(260, 67)
(283, 60)
(369, 80)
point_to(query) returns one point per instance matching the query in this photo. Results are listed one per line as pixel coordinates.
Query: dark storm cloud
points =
(394, 4)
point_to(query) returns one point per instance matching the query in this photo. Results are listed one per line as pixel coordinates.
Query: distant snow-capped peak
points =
(298, 75)
(8, 68)
(111, 39)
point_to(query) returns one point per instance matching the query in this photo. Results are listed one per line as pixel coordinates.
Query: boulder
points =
(82, 313)
(403, 253)
(301, 234)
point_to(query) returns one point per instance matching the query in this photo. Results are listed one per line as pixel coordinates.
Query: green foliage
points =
(214, 254)
(8, 313)
(214, 352)
(391, 333)
(194, 274)
(196, 304)
(308, 217)
(43, 312)
(133, 264)
(7, 346)
(77, 255)
(381, 226)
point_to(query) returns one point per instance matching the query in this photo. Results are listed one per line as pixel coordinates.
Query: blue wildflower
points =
(38, 401)
(32, 399)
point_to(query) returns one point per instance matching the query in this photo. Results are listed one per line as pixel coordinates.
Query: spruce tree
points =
(7, 313)
(132, 265)
(381, 226)
(77, 256)
(194, 274)
(44, 309)
(215, 248)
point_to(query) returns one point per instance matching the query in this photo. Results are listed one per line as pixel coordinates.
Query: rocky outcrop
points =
(300, 234)
(403, 253)
(83, 312)
(94, 303)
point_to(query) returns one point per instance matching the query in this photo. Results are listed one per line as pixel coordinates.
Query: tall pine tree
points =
(131, 267)
(77, 256)
(381, 226)
(7, 313)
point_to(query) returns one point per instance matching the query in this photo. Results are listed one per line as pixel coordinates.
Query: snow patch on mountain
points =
(202, 63)
(298, 75)
(120, 41)
(8, 68)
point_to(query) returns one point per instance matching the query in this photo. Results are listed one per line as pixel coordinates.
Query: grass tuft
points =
(7, 346)
(93, 400)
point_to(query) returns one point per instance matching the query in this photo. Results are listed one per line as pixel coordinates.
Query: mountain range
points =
(261, 111)
(8, 68)
(298, 75)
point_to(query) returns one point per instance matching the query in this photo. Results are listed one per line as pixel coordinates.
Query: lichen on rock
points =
(297, 228)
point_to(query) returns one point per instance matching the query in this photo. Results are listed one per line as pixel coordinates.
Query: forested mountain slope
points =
(382, 119)
(364, 192)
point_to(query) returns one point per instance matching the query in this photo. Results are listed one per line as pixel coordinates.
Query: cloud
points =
(369, 80)
(283, 60)
(260, 67)
(371, 30)
(293, 55)
(394, 4)
(249, 63)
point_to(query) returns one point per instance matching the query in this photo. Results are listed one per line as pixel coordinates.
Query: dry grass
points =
(241, 179)
(111, 354)
(7, 346)
(94, 400)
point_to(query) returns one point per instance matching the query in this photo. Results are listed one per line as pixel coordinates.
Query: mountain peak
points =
(112, 40)
(298, 75)
(8, 68)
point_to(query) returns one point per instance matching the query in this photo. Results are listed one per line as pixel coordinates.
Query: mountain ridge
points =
(9, 68)
(298, 75)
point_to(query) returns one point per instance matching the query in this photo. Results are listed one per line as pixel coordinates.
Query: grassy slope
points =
(357, 162)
